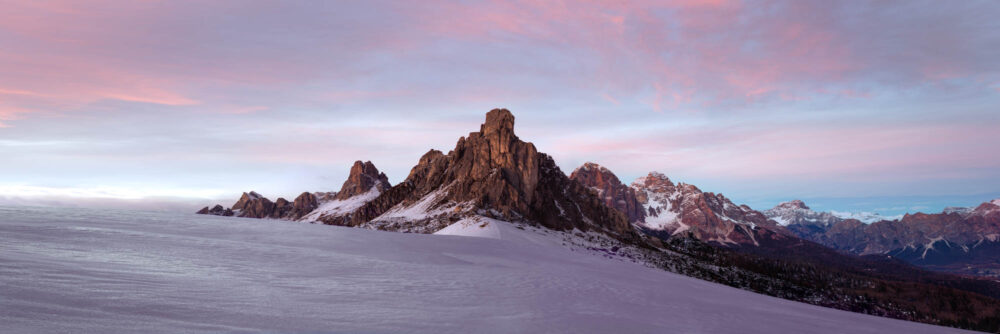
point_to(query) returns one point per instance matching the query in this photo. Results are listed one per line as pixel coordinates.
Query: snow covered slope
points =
(83, 271)
(339, 207)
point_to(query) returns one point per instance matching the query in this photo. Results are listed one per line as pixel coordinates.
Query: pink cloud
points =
(690, 55)
(846, 151)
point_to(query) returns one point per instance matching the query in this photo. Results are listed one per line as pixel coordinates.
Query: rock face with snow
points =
(246, 200)
(665, 209)
(683, 208)
(363, 184)
(492, 173)
(362, 178)
(610, 190)
(253, 205)
(797, 213)
(963, 240)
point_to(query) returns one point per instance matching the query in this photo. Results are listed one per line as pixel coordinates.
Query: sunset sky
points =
(876, 106)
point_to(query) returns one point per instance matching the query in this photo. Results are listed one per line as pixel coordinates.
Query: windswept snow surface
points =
(478, 226)
(88, 271)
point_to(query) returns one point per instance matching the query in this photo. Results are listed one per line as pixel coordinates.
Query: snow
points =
(930, 245)
(662, 220)
(666, 217)
(476, 226)
(427, 207)
(781, 220)
(964, 211)
(89, 271)
(864, 217)
(341, 207)
(562, 212)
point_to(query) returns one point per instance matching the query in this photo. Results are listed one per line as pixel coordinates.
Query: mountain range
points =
(789, 251)
(958, 240)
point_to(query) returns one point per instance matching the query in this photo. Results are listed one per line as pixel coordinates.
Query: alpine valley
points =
(939, 269)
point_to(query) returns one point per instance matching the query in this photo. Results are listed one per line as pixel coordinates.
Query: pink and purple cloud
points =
(758, 99)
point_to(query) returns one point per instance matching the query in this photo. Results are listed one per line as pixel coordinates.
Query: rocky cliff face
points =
(493, 173)
(611, 190)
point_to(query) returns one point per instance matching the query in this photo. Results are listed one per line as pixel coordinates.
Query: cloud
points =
(187, 92)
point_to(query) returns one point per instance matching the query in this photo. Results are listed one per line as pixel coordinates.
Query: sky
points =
(887, 106)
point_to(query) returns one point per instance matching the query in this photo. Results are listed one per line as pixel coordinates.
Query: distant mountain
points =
(658, 206)
(710, 217)
(254, 205)
(960, 240)
(797, 213)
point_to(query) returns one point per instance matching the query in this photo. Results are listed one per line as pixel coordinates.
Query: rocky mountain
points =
(798, 218)
(493, 173)
(254, 205)
(660, 207)
(362, 178)
(490, 173)
(612, 191)
(363, 183)
(962, 240)
(683, 208)
(797, 212)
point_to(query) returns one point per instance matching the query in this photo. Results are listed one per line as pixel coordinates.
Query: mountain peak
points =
(610, 189)
(246, 199)
(793, 204)
(362, 178)
(653, 179)
(492, 173)
(590, 167)
(499, 122)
